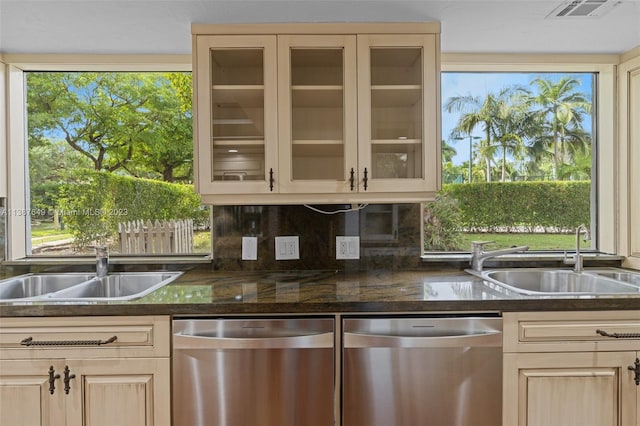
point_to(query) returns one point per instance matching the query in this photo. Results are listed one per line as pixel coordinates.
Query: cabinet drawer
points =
(146, 336)
(572, 331)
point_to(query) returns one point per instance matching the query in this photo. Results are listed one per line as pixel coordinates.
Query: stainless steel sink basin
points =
(556, 282)
(627, 277)
(34, 285)
(117, 286)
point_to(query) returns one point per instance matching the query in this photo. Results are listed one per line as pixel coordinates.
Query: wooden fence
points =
(140, 237)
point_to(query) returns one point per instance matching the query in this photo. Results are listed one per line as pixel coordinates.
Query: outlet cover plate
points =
(249, 248)
(347, 248)
(288, 248)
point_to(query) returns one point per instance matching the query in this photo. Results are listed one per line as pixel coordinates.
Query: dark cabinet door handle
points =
(271, 180)
(352, 183)
(67, 379)
(636, 369)
(365, 179)
(619, 335)
(52, 379)
(30, 342)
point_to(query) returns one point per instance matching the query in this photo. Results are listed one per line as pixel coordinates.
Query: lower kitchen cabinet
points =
(81, 382)
(571, 369)
(95, 392)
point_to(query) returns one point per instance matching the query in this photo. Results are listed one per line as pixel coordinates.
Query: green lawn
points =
(44, 232)
(534, 241)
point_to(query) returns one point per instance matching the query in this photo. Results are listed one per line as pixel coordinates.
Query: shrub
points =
(96, 202)
(557, 206)
(442, 219)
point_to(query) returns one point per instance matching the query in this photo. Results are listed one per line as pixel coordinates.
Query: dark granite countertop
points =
(203, 292)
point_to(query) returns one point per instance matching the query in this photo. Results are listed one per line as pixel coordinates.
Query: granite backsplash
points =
(389, 236)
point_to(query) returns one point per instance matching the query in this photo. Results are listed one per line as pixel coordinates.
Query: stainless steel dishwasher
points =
(422, 371)
(239, 372)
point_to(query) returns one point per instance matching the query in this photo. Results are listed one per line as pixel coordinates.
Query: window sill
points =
(526, 259)
(115, 260)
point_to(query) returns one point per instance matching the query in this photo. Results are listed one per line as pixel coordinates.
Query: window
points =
(533, 134)
(602, 217)
(111, 163)
(517, 159)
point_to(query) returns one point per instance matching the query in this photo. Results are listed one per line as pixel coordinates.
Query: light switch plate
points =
(347, 248)
(287, 248)
(249, 248)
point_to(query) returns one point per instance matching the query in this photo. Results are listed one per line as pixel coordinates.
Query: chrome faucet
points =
(577, 260)
(102, 261)
(478, 255)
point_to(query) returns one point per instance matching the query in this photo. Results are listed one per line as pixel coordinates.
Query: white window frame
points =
(15, 65)
(605, 126)
(629, 176)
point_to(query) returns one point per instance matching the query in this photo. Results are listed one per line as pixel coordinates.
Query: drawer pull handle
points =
(30, 342)
(636, 369)
(619, 335)
(52, 379)
(67, 379)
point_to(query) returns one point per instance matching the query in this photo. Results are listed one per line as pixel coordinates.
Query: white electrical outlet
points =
(287, 248)
(347, 247)
(249, 248)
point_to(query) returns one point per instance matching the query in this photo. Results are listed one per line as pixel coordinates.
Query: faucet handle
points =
(102, 251)
(479, 245)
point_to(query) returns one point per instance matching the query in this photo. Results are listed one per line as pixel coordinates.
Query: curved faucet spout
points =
(577, 260)
(478, 255)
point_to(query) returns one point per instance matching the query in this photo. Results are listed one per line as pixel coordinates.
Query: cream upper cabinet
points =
(317, 113)
(236, 124)
(571, 369)
(398, 113)
(317, 108)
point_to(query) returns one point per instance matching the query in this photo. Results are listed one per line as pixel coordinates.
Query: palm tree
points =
(562, 105)
(448, 152)
(483, 112)
(514, 123)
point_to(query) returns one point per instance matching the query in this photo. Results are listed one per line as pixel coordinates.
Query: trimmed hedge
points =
(549, 206)
(93, 206)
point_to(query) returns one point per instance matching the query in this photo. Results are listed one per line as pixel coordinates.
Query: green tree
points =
(481, 112)
(49, 163)
(561, 105)
(133, 122)
(166, 148)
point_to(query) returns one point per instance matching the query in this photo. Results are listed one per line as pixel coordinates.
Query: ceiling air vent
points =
(583, 8)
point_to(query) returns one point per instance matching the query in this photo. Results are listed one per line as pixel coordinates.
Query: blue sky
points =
(482, 83)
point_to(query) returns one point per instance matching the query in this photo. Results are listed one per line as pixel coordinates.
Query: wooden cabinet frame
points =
(559, 371)
(355, 39)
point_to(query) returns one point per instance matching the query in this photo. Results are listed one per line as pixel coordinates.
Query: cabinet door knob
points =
(52, 379)
(67, 379)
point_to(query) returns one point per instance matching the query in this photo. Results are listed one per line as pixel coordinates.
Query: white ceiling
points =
(163, 27)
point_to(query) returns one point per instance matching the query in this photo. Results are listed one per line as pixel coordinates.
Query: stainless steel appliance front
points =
(237, 372)
(422, 371)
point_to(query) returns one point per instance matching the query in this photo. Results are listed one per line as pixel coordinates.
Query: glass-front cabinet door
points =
(397, 114)
(235, 98)
(317, 113)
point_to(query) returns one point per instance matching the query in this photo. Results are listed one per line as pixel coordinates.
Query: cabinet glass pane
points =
(317, 113)
(237, 114)
(396, 112)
